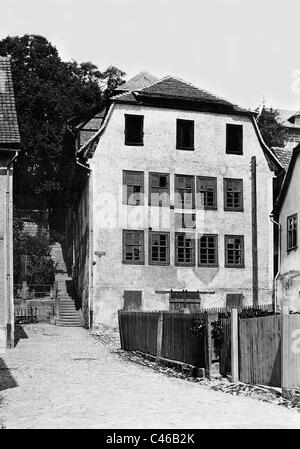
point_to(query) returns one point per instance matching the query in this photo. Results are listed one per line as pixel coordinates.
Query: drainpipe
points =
(8, 212)
(279, 259)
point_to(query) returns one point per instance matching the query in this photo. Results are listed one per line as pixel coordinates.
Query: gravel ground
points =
(68, 378)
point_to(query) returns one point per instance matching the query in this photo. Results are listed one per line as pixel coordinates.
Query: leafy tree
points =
(271, 129)
(48, 93)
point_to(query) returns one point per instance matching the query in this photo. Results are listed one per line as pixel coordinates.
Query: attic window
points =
(297, 120)
(234, 139)
(134, 129)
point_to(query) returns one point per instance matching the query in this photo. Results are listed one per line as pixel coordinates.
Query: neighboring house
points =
(290, 120)
(287, 212)
(162, 201)
(9, 146)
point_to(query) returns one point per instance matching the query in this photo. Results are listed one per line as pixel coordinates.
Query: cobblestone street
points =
(65, 378)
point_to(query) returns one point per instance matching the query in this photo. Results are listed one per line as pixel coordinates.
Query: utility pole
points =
(254, 232)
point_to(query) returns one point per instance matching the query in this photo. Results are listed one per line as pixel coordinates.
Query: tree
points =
(271, 129)
(48, 93)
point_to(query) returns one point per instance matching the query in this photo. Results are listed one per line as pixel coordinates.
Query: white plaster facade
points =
(109, 216)
(288, 283)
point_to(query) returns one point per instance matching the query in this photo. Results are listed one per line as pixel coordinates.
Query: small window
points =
(159, 248)
(292, 232)
(134, 129)
(234, 300)
(208, 250)
(185, 221)
(133, 247)
(234, 251)
(233, 194)
(184, 192)
(206, 193)
(234, 139)
(159, 190)
(185, 134)
(184, 249)
(133, 188)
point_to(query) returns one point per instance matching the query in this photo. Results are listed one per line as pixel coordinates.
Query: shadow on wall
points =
(19, 333)
(6, 379)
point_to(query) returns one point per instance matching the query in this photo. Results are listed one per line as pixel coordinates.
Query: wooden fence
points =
(290, 351)
(179, 338)
(260, 350)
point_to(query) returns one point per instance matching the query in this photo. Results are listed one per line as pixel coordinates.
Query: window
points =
(159, 190)
(184, 249)
(206, 192)
(159, 248)
(208, 250)
(234, 300)
(133, 247)
(185, 221)
(132, 300)
(134, 133)
(234, 251)
(185, 134)
(184, 191)
(234, 139)
(292, 232)
(133, 188)
(233, 194)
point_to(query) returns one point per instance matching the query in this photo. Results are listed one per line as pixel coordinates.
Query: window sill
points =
(185, 265)
(235, 266)
(134, 144)
(226, 209)
(128, 262)
(234, 153)
(185, 148)
(208, 266)
(292, 249)
(159, 264)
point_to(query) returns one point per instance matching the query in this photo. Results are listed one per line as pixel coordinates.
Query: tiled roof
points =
(9, 130)
(171, 88)
(139, 81)
(284, 155)
(284, 115)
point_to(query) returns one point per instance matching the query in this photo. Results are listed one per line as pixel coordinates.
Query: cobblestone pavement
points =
(65, 378)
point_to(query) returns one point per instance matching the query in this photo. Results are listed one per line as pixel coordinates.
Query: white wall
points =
(159, 154)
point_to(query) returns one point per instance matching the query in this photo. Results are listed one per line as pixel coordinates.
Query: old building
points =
(290, 120)
(172, 193)
(287, 212)
(9, 146)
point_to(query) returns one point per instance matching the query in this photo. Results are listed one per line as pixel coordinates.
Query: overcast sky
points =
(243, 50)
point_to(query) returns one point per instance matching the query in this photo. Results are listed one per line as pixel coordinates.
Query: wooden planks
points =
(260, 350)
(290, 351)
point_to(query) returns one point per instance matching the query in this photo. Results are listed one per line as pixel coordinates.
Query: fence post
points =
(160, 319)
(207, 346)
(120, 329)
(285, 341)
(234, 346)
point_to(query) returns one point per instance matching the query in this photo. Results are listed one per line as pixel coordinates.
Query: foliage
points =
(48, 93)
(271, 130)
(40, 267)
(199, 327)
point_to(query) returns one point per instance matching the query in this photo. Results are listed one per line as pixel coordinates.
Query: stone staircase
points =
(69, 310)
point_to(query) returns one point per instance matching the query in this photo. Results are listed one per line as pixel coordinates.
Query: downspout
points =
(279, 260)
(9, 236)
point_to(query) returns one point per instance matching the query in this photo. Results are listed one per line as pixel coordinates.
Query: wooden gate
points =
(260, 350)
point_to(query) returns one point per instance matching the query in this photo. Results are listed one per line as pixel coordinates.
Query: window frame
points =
(183, 206)
(291, 217)
(216, 251)
(167, 204)
(242, 264)
(241, 206)
(128, 142)
(159, 263)
(185, 264)
(179, 145)
(229, 126)
(125, 193)
(213, 180)
(133, 262)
